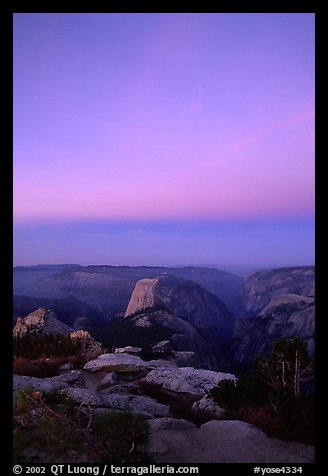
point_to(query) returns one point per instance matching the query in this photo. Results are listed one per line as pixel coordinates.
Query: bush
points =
(42, 355)
(295, 424)
(271, 398)
(264, 418)
(50, 428)
(122, 438)
(288, 367)
(248, 389)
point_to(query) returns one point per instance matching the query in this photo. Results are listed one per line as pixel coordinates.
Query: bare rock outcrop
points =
(144, 296)
(160, 363)
(208, 407)
(121, 363)
(90, 348)
(185, 299)
(109, 380)
(284, 316)
(128, 350)
(167, 423)
(41, 321)
(133, 403)
(48, 384)
(186, 380)
(229, 441)
(260, 287)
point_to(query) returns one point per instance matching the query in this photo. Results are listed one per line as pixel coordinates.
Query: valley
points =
(155, 346)
(231, 318)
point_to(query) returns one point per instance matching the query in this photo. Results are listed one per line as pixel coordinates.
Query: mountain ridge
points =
(108, 289)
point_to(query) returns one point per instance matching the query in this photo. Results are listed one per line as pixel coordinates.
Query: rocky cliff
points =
(174, 312)
(145, 295)
(288, 315)
(102, 292)
(41, 321)
(69, 310)
(160, 332)
(186, 300)
(260, 287)
(90, 348)
(155, 390)
(44, 321)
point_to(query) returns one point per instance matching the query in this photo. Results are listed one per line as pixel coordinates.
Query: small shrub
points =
(123, 438)
(248, 389)
(264, 418)
(271, 398)
(287, 368)
(51, 428)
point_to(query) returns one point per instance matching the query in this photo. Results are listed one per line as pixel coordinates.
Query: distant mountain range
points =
(260, 287)
(194, 309)
(272, 304)
(106, 290)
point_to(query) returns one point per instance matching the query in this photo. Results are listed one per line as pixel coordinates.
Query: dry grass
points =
(264, 418)
(290, 427)
(42, 368)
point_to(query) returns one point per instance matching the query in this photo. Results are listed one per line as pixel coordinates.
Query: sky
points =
(164, 139)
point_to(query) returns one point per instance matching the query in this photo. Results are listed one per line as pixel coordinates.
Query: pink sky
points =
(151, 117)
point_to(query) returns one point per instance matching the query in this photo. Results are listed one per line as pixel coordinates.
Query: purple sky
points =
(164, 138)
